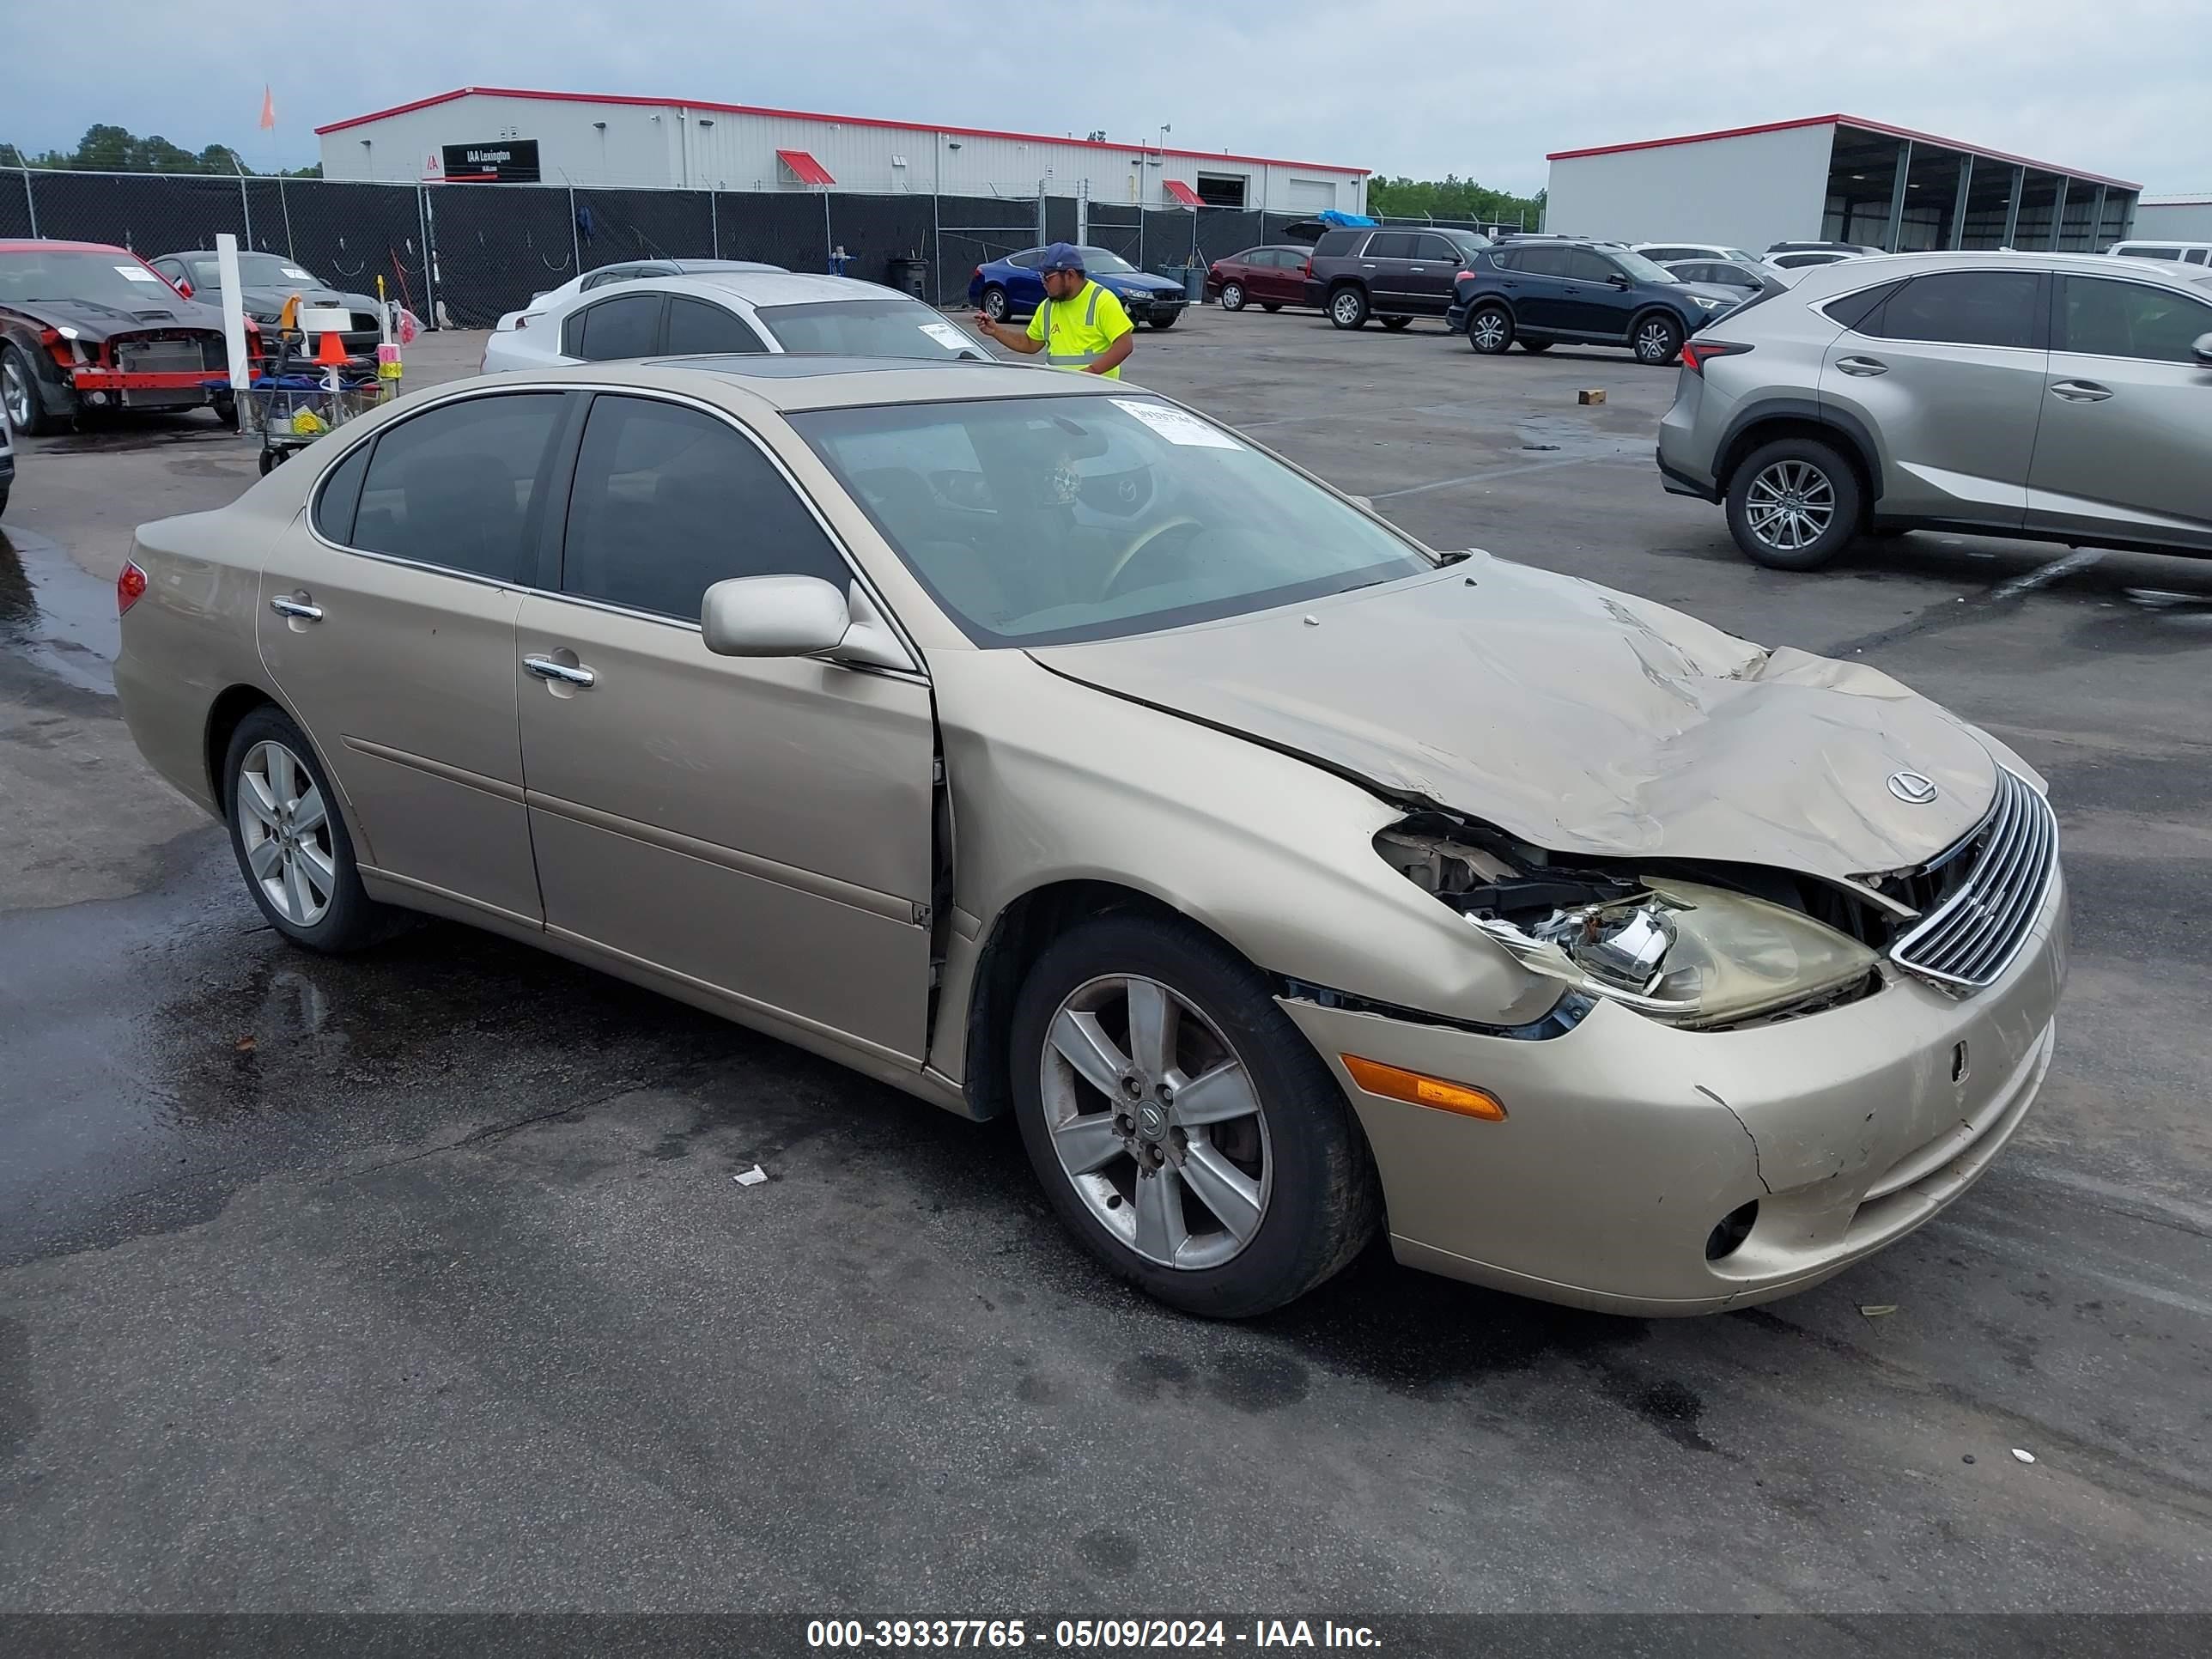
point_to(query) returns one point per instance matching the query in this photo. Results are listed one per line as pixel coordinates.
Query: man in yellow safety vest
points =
(1080, 325)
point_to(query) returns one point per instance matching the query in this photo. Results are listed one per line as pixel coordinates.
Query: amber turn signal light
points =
(1395, 1083)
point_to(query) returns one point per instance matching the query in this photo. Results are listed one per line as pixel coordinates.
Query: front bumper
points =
(1627, 1141)
(1143, 308)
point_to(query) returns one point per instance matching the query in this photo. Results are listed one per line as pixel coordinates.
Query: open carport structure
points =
(1833, 178)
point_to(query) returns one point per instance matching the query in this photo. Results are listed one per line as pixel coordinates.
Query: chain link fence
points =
(460, 254)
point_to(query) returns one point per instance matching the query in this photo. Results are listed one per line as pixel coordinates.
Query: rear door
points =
(2124, 449)
(1024, 287)
(1269, 274)
(757, 826)
(1538, 287)
(389, 631)
(1950, 371)
(1385, 262)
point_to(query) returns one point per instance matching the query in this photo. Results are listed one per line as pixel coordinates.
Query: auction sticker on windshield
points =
(296, 274)
(137, 274)
(1177, 426)
(946, 336)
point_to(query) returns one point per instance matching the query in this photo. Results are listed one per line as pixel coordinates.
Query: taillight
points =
(978, 273)
(1695, 354)
(1307, 269)
(130, 585)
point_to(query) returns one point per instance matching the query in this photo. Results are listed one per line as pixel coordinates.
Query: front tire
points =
(1794, 504)
(290, 838)
(1271, 306)
(1536, 346)
(1232, 296)
(19, 391)
(1166, 320)
(1184, 1131)
(1347, 307)
(225, 405)
(994, 303)
(1490, 329)
(1394, 324)
(1657, 340)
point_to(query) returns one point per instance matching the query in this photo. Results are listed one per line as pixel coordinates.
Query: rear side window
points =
(1027, 259)
(697, 329)
(1390, 244)
(2198, 256)
(1334, 244)
(1855, 308)
(2102, 318)
(460, 485)
(1544, 261)
(669, 500)
(625, 327)
(340, 496)
(1965, 307)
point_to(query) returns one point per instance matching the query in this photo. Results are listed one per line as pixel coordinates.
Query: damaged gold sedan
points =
(1042, 747)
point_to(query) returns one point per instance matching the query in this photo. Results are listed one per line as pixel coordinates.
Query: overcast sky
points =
(1418, 87)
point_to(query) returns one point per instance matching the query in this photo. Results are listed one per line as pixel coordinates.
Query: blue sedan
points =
(1008, 289)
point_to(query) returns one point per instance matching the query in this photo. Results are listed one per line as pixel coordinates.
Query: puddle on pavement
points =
(134, 439)
(54, 616)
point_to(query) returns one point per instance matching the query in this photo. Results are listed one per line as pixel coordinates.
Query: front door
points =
(1384, 261)
(759, 827)
(1595, 304)
(1428, 278)
(390, 634)
(1950, 371)
(2124, 449)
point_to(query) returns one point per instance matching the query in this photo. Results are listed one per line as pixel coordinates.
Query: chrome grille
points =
(1971, 938)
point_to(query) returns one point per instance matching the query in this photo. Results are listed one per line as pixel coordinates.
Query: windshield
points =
(110, 279)
(868, 328)
(1036, 521)
(255, 270)
(1467, 241)
(1639, 267)
(1096, 260)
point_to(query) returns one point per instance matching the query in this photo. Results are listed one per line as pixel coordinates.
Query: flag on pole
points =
(268, 109)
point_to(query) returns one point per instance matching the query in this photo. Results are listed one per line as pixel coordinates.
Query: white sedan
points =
(771, 312)
(628, 271)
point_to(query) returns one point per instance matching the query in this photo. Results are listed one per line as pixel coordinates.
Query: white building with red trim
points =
(1832, 177)
(492, 133)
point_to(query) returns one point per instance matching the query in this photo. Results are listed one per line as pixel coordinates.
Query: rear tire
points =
(1794, 504)
(1347, 307)
(994, 303)
(1287, 1141)
(1232, 296)
(1490, 329)
(288, 834)
(1656, 339)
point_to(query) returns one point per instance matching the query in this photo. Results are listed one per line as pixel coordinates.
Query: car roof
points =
(797, 381)
(755, 288)
(1820, 279)
(694, 267)
(41, 244)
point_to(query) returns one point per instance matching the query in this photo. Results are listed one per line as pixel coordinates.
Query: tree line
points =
(1452, 197)
(106, 148)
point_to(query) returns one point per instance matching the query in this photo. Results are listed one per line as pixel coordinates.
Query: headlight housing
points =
(1686, 953)
(1708, 303)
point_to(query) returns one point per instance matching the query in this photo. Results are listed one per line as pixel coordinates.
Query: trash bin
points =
(909, 274)
(1194, 284)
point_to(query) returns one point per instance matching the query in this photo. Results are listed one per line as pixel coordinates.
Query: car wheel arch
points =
(225, 715)
(1016, 938)
(1682, 324)
(1764, 423)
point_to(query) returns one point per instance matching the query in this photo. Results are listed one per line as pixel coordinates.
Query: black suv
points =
(1590, 293)
(1394, 273)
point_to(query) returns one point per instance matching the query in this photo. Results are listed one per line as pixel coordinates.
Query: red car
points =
(1268, 278)
(84, 326)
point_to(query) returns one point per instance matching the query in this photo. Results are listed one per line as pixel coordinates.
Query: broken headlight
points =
(1682, 952)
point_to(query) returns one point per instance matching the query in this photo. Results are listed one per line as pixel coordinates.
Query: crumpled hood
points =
(1579, 719)
(95, 320)
(273, 298)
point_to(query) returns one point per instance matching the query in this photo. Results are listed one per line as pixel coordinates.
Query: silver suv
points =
(2064, 398)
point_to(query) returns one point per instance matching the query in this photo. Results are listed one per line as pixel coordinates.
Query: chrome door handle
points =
(1414, 269)
(1860, 366)
(289, 607)
(2081, 391)
(546, 669)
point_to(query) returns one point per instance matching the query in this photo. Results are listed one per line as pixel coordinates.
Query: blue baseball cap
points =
(1062, 256)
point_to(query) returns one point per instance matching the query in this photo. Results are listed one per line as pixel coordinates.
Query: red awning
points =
(1184, 193)
(807, 170)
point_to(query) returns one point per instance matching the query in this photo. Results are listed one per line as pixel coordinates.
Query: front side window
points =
(697, 329)
(889, 327)
(1965, 307)
(1037, 521)
(2101, 318)
(458, 485)
(669, 500)
(1585, 266)
(1434, 249)
(1636, 264)
(1390, 244)
(626, 327)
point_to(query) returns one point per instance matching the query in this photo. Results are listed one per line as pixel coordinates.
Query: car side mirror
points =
(2201, 349)
(797, 616)
(1617, 280)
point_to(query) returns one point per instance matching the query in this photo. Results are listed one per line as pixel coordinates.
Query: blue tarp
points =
(1342, 220)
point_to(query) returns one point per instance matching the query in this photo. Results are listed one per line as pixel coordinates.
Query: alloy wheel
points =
(1232, 296)
(1156, 1121)
(16, 394)
(995, 305)
(1790, 505)
(1655, 342)
(1346, 308)
(285, 826)
(1487, 331)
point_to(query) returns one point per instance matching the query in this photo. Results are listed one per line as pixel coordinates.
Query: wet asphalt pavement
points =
(419, 1280)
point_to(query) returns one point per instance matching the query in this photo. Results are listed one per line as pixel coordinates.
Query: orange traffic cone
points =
(331, 350)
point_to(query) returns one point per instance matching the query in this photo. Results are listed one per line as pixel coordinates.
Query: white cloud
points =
(1418, 87)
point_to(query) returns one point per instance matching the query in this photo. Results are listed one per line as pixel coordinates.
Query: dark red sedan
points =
(1268, 278)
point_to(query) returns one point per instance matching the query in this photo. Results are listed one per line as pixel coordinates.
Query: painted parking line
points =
(2043, 575)
(1480, 478)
